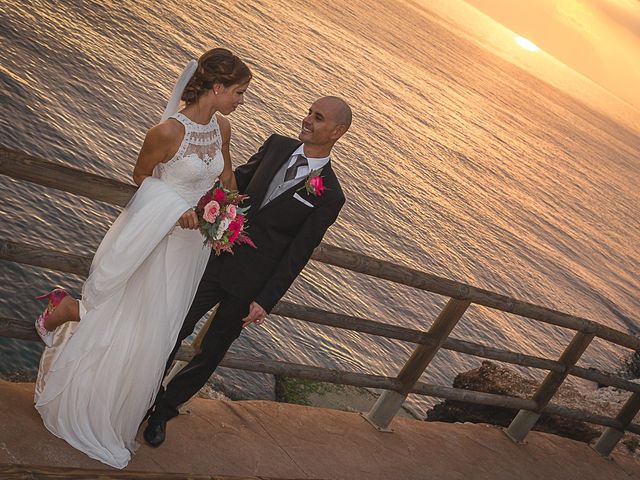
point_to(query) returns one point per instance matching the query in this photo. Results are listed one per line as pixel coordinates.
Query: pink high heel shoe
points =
(55, 297)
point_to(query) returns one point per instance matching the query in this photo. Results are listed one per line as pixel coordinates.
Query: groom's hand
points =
(256, 315)
(189, 220)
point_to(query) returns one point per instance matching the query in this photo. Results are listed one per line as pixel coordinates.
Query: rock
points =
(244, 385)
(501, 380)
(20, 376)
(328, 395)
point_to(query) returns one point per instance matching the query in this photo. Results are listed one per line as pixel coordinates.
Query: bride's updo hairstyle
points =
(218, 65)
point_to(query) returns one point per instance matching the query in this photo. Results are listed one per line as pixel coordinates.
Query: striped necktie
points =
(290, 174)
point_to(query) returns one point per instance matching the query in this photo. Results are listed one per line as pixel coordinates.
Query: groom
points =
(286, 222)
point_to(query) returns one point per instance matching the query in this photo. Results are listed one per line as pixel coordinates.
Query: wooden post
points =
(390, 402)
(197, 341)
(611, 436)
(526, 419)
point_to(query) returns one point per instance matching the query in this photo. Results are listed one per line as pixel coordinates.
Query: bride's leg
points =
(67, 311)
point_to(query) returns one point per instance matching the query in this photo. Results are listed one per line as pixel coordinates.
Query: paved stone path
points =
(276, 440)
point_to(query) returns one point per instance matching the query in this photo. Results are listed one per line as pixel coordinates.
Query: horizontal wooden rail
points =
(365, 264)
(13, 328)
(21, 166)
(309, 372)
(606, 379)
(358, 324)
(35, 255)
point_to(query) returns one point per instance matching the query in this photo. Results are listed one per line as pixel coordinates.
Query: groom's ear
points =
(339, 131)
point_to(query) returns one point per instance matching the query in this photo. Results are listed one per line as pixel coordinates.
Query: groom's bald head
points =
(327, 120)
(341, 110)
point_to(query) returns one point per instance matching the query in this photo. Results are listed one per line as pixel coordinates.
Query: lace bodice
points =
(197, 163)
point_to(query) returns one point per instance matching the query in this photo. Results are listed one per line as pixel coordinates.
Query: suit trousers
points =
(225, 327)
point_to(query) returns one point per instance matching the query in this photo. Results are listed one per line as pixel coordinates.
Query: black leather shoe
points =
(155, 433)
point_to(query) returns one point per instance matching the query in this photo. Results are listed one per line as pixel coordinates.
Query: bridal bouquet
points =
(222, 220)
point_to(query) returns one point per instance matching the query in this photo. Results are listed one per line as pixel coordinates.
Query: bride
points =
(107, 351)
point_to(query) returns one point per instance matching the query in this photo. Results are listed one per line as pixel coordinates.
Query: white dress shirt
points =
(314, 163)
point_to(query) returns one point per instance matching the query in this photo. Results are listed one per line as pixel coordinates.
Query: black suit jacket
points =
(285, 231)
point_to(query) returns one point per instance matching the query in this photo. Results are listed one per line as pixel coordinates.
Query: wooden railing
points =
(24, 167)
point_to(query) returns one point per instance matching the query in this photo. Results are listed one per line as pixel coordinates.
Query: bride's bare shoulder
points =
(168, 131)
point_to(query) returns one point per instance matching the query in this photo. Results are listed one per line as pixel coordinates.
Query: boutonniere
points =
(314, 184)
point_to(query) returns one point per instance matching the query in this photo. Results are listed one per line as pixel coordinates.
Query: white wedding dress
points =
(101, 375)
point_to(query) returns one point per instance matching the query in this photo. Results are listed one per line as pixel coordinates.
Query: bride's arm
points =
(160, 144)
(227, 177)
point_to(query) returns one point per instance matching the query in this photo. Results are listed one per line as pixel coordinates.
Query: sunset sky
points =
(598, 38)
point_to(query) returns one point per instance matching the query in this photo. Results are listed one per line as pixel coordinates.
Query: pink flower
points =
(313, 184)
(218, 195)
(211, 211)
(240, 219)
(230, 211)
(317, 185)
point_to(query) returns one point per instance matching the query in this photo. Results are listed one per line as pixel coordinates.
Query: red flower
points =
(235, 228)
(234, 236)
(314, 185)
(218, 195)
(206, 198)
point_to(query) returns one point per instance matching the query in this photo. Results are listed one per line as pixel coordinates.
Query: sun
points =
(527, 44)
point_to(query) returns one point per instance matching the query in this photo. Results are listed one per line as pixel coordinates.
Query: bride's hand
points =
(189, 220)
